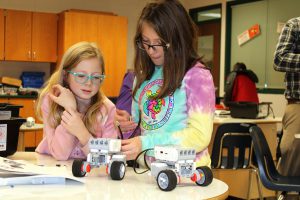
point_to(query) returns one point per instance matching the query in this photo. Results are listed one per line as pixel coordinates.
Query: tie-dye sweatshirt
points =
(184, 118)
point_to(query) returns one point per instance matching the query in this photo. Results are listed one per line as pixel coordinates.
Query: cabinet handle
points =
(29, 55)
(34, 55)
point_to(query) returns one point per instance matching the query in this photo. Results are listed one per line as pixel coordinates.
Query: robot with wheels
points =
(103, 151)
(173, 162)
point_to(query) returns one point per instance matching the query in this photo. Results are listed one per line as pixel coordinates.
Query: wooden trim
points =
(90, 11)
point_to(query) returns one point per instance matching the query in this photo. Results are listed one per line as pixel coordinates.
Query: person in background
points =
(123, 104)
(174, 94)
(72, 106)
(287, 59)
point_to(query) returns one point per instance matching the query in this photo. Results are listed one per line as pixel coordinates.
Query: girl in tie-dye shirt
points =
(174, 94)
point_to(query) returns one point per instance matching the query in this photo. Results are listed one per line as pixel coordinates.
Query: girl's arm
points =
(60, 142)
(200, 107)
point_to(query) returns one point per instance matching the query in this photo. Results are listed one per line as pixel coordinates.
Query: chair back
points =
(269, 176)
(267, 169)
(231, 137)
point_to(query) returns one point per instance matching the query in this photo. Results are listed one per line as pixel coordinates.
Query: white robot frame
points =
(103, 152)
(174, 162)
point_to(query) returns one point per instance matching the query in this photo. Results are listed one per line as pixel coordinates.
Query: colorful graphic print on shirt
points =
(157, 111)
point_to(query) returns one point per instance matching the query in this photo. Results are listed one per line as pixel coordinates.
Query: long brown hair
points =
(74, 55)
(173, 25)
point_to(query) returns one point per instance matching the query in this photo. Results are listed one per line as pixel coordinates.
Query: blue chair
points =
(230, 138)
(269, 175)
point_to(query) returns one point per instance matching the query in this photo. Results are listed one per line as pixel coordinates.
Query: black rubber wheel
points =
(207, 176)
(117, 170)
(76, 168)
(166, 180)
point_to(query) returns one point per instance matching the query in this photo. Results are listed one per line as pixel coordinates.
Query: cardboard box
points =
(10, 81)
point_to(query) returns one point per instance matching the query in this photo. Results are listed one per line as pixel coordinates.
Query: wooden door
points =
(74, 27)
(80, 27)
(113, 44)
(18, 35)
(44, 37)
(1, 34)
(213, 28)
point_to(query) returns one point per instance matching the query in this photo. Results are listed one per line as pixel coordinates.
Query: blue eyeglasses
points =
(82, 78)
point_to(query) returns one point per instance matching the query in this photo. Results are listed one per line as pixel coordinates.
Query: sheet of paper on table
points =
(18, 172)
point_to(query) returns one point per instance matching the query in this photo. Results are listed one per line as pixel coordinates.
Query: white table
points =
(99, 186)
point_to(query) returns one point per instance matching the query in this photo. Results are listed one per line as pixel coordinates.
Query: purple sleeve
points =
(125, 97)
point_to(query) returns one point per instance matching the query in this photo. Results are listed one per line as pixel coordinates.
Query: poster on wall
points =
(249, 34)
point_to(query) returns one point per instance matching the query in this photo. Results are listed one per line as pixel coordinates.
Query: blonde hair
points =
(74, 55)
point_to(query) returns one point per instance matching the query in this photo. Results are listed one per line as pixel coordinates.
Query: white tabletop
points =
(99, 186)
(35, 127)
(229, 119)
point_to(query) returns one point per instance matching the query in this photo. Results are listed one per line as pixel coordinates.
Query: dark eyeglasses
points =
(82, 78)
(145, 46)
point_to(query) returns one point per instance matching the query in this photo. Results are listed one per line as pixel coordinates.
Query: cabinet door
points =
(80, 27)
(44, 37)
(26, 111)
(3, 100)
(1, 34)
(113, 44)
(18, 35)
(28, 106)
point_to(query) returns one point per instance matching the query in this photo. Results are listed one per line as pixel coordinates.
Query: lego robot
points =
(173, 162)
(103, 151)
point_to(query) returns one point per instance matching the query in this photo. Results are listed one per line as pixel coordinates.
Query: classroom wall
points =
(268, 14)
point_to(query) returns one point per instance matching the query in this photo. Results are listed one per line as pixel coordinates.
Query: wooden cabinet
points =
(113, 43)
(3, 100)
(79, 27)
(110, 34)
(44, 37)
(30, 36)
(1, 34)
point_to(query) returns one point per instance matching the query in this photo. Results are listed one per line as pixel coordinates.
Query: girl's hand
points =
(131, 147)
(123, 119)
(71, 120)
(63, 97)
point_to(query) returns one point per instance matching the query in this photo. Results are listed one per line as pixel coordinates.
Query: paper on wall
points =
(248, 34)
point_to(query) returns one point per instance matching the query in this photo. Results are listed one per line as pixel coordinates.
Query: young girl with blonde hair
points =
(72, 106)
